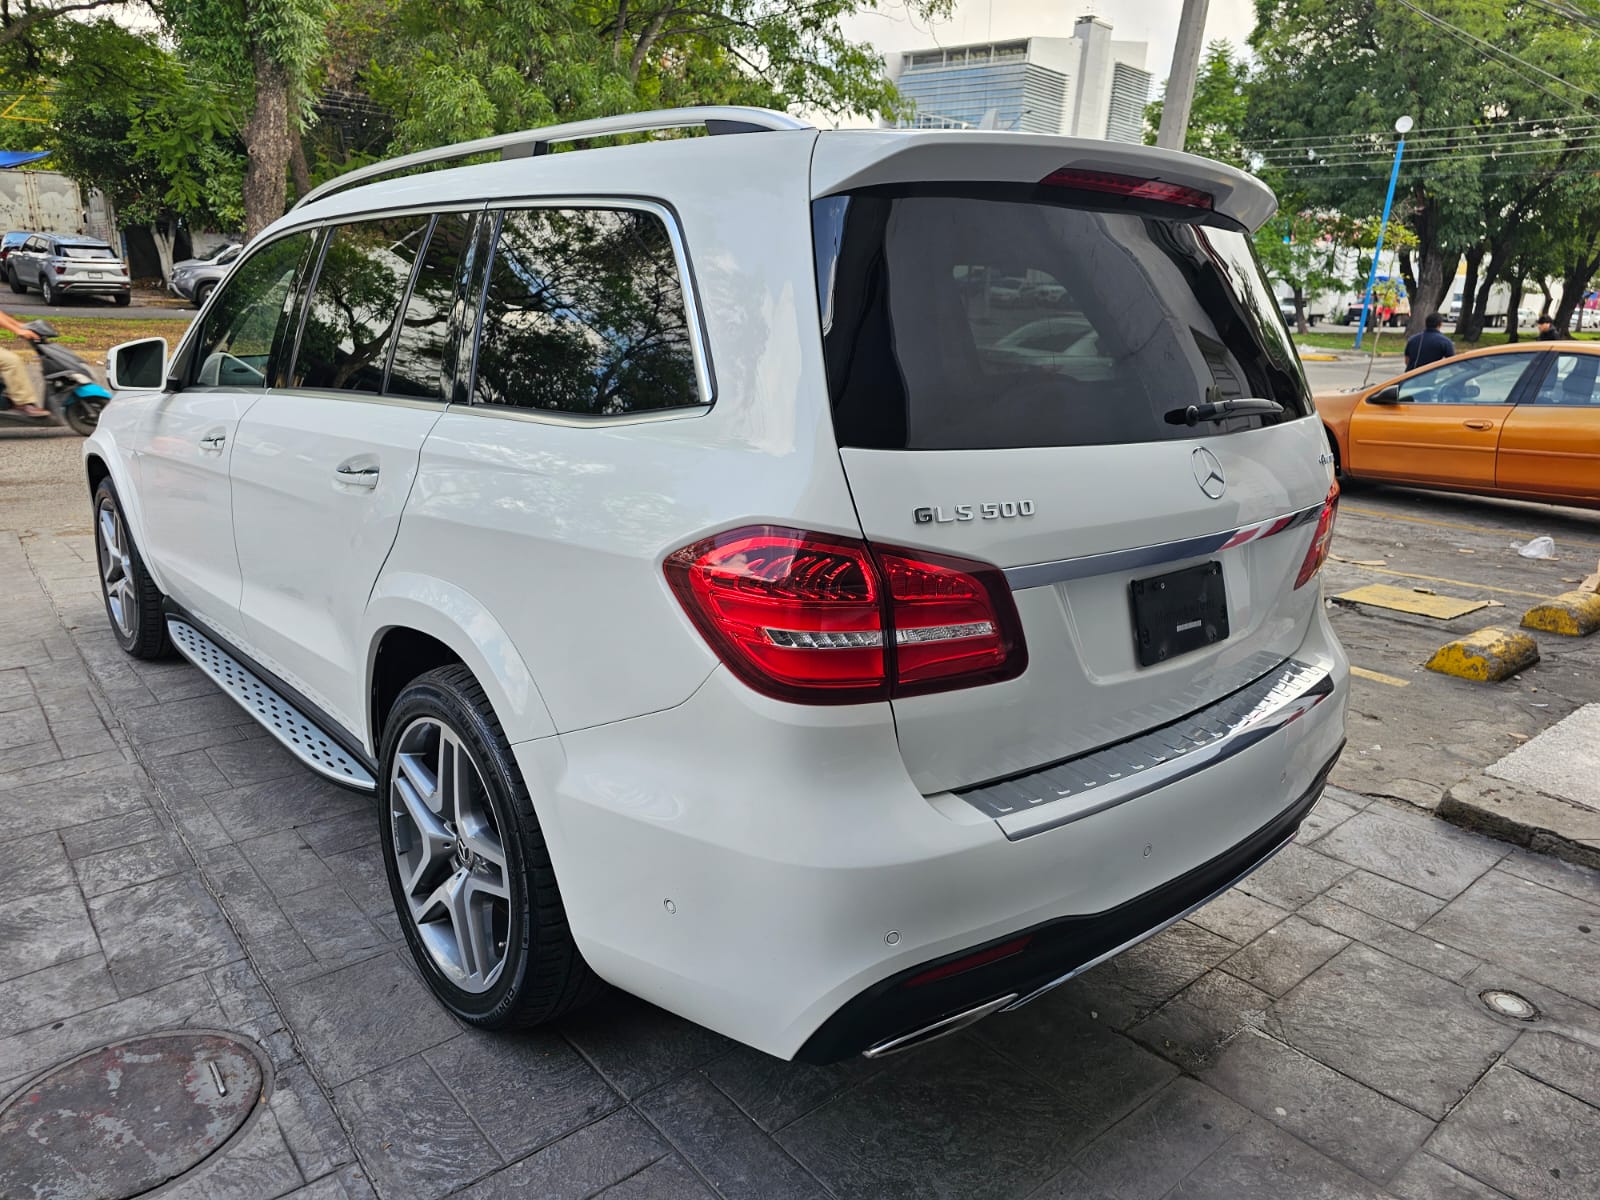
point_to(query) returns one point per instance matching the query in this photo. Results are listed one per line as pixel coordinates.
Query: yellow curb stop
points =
(1487, 656)
(1575, 614)
(1319, 358)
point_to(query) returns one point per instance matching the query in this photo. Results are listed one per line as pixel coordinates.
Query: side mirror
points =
(1389, 395)
(139, 366)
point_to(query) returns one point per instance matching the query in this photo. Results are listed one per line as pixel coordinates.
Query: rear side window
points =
(358, 290)
(584, 314)
(1574, 379)
(424, 359)
(1011, 316)
(247, 325)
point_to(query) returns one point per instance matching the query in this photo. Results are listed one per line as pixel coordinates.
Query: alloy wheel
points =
(450, 856)
(116, 566)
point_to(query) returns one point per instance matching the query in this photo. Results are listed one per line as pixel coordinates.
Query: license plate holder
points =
(1178, 612)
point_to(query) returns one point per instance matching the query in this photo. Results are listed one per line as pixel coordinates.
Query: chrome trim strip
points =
(1091, 783)
(1062, 570)
(1149, 933)
(939, 1029)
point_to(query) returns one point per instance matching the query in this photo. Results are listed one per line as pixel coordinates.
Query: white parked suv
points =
(712, 613)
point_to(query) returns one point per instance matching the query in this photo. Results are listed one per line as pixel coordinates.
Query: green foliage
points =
(1217, 115)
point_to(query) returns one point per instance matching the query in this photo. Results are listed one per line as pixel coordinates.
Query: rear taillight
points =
(1129, 185)
(820, 619)
(1321, 540)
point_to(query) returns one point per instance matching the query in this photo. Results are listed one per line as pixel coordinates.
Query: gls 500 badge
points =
(992, 510)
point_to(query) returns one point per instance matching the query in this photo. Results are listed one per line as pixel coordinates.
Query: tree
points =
(1217, 115)
(29, 17)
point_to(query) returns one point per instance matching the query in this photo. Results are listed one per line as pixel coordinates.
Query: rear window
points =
(1009, 316)
(88, 252)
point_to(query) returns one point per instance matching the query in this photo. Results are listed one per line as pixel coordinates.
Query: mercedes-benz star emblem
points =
(1208, 473)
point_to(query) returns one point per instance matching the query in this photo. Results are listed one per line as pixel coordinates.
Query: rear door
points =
(1073, 467)
(1550, 445)
(1447, 425)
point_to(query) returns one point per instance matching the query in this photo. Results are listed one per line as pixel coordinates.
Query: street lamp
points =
(1402, 127)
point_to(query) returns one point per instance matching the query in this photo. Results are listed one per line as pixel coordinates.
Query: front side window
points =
(246, 326)
(424, 359)
(1488, 380)
(584, 314)
(358, 289)
(1572, 381)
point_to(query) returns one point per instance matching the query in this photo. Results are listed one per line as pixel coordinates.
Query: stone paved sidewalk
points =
(1314, 1033)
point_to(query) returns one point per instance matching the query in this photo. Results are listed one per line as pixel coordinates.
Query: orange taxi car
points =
(1519, 421)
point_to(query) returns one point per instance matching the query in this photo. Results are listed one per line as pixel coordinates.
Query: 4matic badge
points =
(990, 510)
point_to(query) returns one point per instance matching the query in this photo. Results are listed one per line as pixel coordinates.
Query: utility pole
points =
(1180, 81)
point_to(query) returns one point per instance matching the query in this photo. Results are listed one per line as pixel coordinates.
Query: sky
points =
(1152, 21)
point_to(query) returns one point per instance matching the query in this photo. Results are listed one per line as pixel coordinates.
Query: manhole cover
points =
(1509, 1004)
(126, 1118)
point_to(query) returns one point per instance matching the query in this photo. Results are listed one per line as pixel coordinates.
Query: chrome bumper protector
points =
(1091, 783)
(1062, 570)
(939, 1029)
(1149, 933)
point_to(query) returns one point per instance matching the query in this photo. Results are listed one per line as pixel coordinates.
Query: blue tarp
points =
(15, 158)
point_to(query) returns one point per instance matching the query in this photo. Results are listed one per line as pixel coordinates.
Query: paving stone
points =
(1264, 1163)
(124, 866)
(723, 1144)
(1194, 1025)
(190, 713)
(1294, 876)
(327, 1188)
(53, 770)
(33, 864)
(1328, 812)
(1391, 1026)
(1284, 955)
(281, 804)
(257, 1166)
(188, 777)
(185, 743)
(362, 875)
(53, 993)
(285, 863)
(364, 1016)
(272, 940)
(1572, 1066)
(611, 1150)
(1386, 899)
(773, 1092)
(308, 1123)
(668, 1179)
(1144, 1155)
(1415, 948)
(637, 1046)
(956, 1121)
(330, 924)
(1427, 1178)
(1420, 852)
(24, 727)
(350, 830)
(34, 754)
(1559, 1013)
(556, 1090)
(240, 991)
(1139, 981)
(91, 796)
(111, 833)
(1534, 930)
(1070, 1184)
(1523, 1137)
(1367, 1132)
(154, 933)
(414, 1138)
(254, 761)
(41, 929)
(1238, 916)
(1581, 882)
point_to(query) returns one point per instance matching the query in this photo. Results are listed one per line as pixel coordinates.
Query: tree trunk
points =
(1574, 283)
(1465, 329)
(1513, 303)
(267, 142)
(164, 237)
(1407, 273)
(299, 168)
(1300, 322)
(1431, 285)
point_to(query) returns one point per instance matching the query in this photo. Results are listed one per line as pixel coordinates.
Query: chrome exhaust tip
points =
(939, 1029)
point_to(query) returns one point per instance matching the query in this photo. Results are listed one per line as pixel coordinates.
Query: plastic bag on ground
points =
(1539, 547)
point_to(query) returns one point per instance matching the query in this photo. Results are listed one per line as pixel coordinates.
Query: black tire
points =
(48, 292)
(142, 631)
(16, 284)
(543, 975)
(123, 299)
(83, 416)
(201, 293)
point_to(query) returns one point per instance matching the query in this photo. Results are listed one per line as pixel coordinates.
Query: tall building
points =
(1086, 85)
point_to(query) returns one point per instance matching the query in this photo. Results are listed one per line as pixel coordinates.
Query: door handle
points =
(363, 477)
(1478, 424)
(213, 441)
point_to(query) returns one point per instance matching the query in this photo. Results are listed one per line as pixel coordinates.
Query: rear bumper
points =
(769, 870)
(104, 286)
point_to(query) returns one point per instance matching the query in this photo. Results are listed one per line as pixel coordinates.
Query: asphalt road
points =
(30, 307)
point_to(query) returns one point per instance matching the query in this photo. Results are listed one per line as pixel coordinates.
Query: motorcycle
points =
(72, 396)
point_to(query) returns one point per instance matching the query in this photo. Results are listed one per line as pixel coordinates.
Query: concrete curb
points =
(1489, 655)
(1532, 819)
(1571, 614)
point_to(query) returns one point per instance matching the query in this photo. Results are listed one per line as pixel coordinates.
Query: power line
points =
(1473, 39)
(1570, 140)
(1507, 125)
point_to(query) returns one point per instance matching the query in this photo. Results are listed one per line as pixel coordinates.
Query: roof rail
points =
(714, 118)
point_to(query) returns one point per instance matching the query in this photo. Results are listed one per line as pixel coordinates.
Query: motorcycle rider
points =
(14, 374)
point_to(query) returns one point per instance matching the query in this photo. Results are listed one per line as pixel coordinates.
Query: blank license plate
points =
(1178, 612)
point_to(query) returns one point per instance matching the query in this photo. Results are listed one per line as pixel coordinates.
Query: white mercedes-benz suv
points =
(733, 584)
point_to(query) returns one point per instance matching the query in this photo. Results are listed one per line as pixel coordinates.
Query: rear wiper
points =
(1221, 410)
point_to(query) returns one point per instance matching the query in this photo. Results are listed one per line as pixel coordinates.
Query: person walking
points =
(1547, 329)
(1429, 346)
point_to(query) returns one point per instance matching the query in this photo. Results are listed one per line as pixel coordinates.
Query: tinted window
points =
(585, 314)
(1572, 381)
(1487, 380)
(34, 244)
(358, 289)
(88, 252)
(423, 359)
(245, 326)
(1010, 317)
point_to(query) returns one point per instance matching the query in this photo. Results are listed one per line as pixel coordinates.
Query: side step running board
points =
(302, 736)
